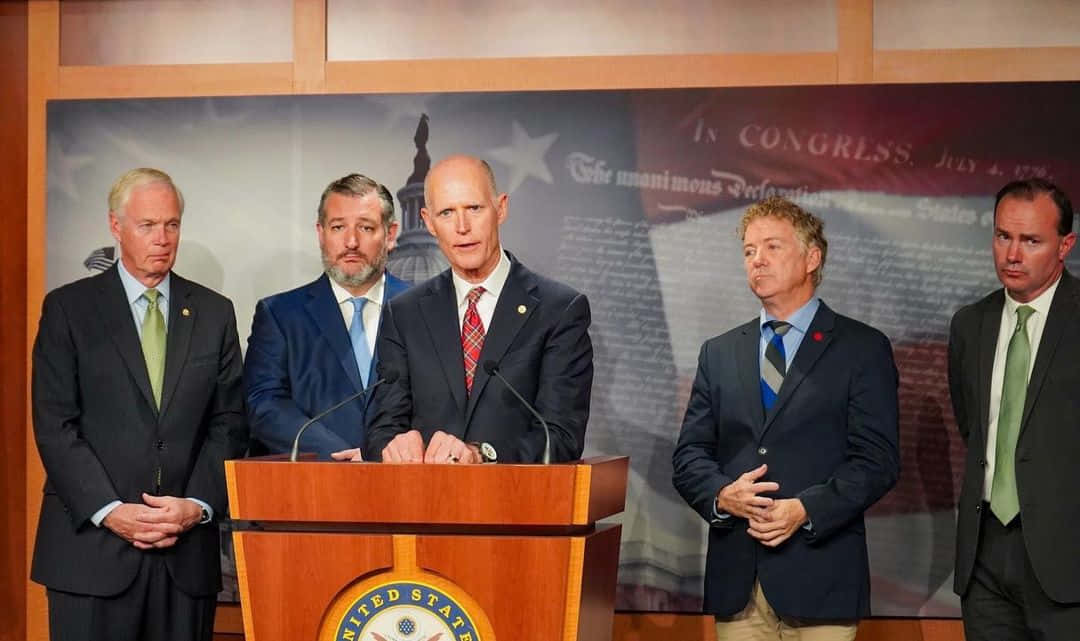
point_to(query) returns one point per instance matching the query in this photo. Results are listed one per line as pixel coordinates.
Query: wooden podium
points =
(387, 552)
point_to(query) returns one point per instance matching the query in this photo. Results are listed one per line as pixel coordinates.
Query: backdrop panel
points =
(632, 197)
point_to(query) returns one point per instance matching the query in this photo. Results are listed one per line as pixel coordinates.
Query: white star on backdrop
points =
(525, 156)
(62, 168)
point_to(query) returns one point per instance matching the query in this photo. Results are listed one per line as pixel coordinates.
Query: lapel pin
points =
(185, 312)
(818, 336)
(521, 309)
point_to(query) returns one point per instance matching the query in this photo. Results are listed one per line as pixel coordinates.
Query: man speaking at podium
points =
(137, 403)
(314, 346)
(487, 316)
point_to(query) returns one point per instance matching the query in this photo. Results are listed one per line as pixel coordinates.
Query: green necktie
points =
(153, 343)
(1004, 500)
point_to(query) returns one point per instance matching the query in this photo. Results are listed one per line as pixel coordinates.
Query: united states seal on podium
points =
(410, 606)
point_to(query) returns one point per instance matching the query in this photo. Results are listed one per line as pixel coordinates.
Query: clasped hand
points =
(157, 522)
(771, 521)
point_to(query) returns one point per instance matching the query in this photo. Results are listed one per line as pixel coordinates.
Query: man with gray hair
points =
(137, 402)
(314, 346)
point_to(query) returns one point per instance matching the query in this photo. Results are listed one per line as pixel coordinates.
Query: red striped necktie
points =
(472, 336)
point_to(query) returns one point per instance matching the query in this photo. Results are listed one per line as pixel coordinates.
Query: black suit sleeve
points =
(698, 476)
(73, 469)
(226, 430)
(956, 387)
(872, 462)
(563, 392)
(390, 412)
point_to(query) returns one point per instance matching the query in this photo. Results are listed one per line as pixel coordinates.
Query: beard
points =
(369, 272)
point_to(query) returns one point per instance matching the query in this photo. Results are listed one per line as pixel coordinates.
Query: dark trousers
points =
(151, 609)
(1004, 601)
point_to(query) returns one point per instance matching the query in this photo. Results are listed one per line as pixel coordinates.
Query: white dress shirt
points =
(492, 285)
(1035, 324)
(371, 312)
(133, 291)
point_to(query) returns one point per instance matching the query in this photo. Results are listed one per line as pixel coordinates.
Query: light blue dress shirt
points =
(133, 291)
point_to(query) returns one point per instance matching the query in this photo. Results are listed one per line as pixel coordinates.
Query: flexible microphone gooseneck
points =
(492, 369)
(388, 376)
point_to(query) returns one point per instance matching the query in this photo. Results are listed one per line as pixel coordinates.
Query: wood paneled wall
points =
(31, 75)
(13, 391)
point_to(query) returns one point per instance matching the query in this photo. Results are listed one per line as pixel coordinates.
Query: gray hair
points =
(121, 190)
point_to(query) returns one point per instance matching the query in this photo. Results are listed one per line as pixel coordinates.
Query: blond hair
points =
(809, 229)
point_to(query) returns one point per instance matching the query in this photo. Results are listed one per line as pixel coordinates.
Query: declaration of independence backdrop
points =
(632, 197)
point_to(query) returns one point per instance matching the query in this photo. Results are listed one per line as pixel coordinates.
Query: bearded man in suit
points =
(315, 346)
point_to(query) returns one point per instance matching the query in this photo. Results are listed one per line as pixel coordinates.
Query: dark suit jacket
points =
(101, 438)
(300, 362)
(1047, 472)
(830, 440)
(538, 336)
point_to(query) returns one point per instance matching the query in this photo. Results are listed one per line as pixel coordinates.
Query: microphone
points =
(388, 376)
(492, 369)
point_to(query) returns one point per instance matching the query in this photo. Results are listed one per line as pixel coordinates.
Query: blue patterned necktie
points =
(359, 339)
(774, 365)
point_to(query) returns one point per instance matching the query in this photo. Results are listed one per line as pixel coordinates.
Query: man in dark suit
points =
(487, 307)
(1014, 379)
(137, 402)
(309, 349)
(789, 436)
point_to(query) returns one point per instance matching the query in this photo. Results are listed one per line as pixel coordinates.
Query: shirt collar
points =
(1041, 304)
(799, 320)
(374, 294)
(493, 284)
(133, 289)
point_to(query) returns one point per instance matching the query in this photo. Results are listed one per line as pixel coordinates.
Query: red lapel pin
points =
(818, 336)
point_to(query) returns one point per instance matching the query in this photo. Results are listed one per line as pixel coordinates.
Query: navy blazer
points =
(300, 362)
(539, 337)
(831, 439)
(102, 438)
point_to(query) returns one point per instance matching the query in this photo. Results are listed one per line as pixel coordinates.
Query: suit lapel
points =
(1063, 309)
(116, 313)
(749, 369)
(439, 311)
(989, 327)
(182, 318)
(813, 345)
(506, 322)
(324, 310)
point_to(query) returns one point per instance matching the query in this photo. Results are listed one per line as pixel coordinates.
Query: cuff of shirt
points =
(97, 517)
(209, 510)
(717, 515)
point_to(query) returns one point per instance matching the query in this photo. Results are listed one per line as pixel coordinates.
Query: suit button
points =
(160, 445)
(762, 451)
(982, 462)
(978, 508)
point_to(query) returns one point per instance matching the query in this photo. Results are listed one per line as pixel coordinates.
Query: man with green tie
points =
(137, 402)
(1014, 377)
